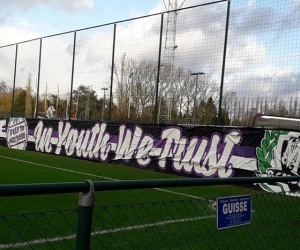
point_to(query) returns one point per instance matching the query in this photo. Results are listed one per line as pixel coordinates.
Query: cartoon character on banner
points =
(279, 155)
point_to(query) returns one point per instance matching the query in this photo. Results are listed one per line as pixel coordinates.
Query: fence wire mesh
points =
(140, 69)
(172, 224)
(191, 224)
(39, 230)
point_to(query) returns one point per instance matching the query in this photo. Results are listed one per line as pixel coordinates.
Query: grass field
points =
(22, 167)
(172, 218)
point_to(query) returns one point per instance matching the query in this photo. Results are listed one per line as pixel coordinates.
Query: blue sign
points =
(234, 211)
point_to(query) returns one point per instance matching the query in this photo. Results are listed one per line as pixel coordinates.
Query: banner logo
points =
(17, 133)
(279, 155)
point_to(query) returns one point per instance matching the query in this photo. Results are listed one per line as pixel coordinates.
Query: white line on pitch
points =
(106, 231)
(70, 237)
(62, 169)
(99, 176)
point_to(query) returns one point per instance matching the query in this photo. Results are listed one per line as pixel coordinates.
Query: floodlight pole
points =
(196, 89)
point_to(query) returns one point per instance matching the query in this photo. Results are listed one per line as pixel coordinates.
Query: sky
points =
(22, 20)
(263, 49)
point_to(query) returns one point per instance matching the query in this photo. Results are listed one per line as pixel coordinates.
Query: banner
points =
(202, 151)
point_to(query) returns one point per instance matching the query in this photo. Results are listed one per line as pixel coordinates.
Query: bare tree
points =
(136, 91)
(28, 104)
(122, 73)
(142, 89)
(4, 88)
(282, 110)
(229, 104)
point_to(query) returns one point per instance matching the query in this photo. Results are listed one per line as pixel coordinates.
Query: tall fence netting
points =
(216, 63)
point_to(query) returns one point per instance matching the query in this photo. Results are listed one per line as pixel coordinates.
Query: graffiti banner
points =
(202, 151)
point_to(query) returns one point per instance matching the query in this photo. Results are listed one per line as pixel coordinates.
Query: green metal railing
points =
(118, 225)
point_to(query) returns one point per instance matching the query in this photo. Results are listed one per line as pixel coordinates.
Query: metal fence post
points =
(157, 87)
(38, 81)
(72, 78)
(14, 86)
(85, 213)
(112, 72)
(223, 64)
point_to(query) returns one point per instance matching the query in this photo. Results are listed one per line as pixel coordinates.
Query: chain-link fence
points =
(216, 63)
(167, 224)
(177, 224)
(191, 224)
(39, 230)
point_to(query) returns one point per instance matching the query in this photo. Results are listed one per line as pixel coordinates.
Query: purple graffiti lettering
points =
(205, 157)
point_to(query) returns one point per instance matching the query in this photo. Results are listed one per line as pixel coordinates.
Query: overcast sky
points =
(26, 19)
(263, 43)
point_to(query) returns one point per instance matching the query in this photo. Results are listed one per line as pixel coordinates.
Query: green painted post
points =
(85, 214)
